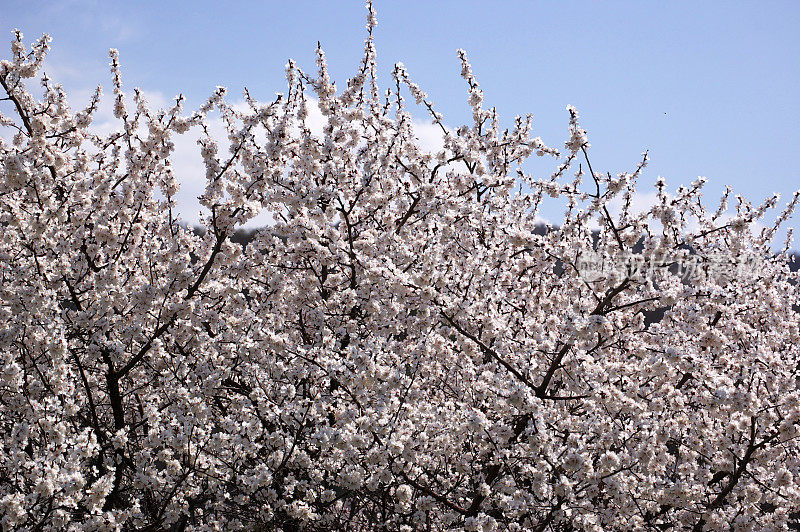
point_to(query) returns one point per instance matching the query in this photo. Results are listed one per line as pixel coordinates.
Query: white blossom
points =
(404, 347)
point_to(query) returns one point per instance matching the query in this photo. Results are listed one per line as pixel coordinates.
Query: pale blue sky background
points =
(711, 88)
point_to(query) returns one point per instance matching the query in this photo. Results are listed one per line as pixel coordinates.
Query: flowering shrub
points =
(400, 349)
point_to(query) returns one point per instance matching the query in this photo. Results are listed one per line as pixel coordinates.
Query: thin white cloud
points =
(429, 135)
(105, 17)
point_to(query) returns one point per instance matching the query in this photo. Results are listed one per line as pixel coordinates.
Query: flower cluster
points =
(403, 348)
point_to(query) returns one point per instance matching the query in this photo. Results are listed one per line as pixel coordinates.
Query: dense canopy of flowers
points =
(401, 349)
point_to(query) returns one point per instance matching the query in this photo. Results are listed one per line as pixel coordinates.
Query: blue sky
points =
(710, 88)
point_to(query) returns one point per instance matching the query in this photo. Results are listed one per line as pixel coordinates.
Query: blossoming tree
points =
(400, 349)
